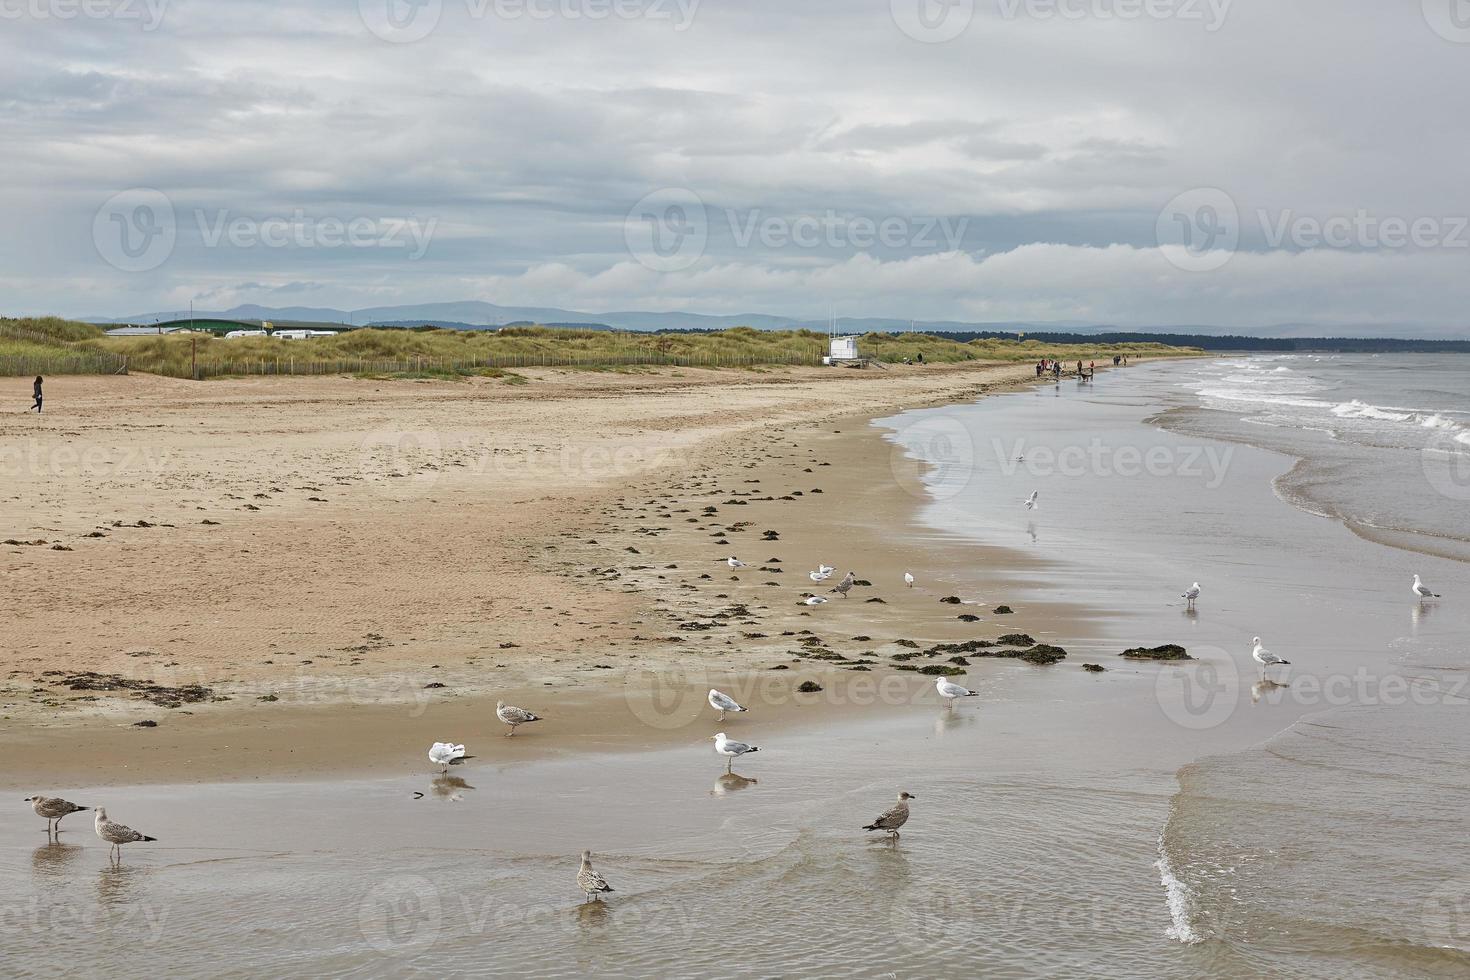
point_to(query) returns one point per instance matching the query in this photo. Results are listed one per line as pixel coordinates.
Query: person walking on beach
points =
(1056, 369)
(36, 394)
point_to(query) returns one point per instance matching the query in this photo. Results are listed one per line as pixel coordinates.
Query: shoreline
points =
(324, 719)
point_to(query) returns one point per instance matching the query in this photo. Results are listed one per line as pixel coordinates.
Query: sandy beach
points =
(297, 566)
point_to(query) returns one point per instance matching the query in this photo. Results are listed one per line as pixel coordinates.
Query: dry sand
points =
(294, 562)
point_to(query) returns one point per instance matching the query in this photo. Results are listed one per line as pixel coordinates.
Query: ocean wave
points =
(1362, 410)
(1180, 900)
(1423, 418)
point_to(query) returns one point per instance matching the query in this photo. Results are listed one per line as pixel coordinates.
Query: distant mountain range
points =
(479, 315)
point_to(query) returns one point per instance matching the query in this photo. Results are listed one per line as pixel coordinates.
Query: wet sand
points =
(319, 560)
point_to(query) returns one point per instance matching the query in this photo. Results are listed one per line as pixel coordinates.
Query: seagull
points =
(444, 753)
(814, 600)
(1422, 591)
(894, 818)
(723, 703)
(733, 750)
(819, 575)
(513, 716)
(53, 808)
(116, 834)
(908, 579)
(949, 690)
(591, 883)
(826, 569)
(1030, 501)
(1191, 594)
(845, 586)
(734, 562)
(1265, 657)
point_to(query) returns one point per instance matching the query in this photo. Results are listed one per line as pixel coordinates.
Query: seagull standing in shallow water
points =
(950, 691)
(1191, 594)
(593, 885)
(1265, 657)
(116, 834)
(53, 808)
(444, 753)
(1422, 591)
(894, 818)
(723, 703)
(731, 749)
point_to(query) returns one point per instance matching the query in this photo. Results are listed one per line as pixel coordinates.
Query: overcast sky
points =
(962, 159)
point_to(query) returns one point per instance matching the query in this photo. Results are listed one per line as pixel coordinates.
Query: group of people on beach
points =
(1053, 367)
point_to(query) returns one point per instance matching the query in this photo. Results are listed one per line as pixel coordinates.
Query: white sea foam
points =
(1180, 899)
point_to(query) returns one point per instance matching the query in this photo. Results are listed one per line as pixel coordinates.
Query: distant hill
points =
(478, 315)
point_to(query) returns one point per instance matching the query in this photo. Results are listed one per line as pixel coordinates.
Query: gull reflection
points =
(52, 859)
(450, 788)
(1264, 687)
(731, 782)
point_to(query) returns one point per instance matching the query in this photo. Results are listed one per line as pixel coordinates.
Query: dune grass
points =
(419, 353)
(49, 345)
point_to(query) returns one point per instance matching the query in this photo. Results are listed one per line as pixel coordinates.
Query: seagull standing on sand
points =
(895, 818)
(730, 749)
(116, 834)
(826, 569)
(1265, 657)
(444, 753)
(908, 579)
(1031, 503)
(949, 690)
(593, 885)
(814, 600)
(734, 562)
(53, 808)
(723, 703)
(513, 716)
(820, 575)
(845, 586)
(1422, 591)
(1190, 594)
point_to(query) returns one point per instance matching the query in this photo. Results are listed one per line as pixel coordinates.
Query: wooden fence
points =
(288, 365)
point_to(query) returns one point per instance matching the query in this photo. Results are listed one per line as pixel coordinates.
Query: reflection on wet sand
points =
(450, 788)
(1265, 686)
(117, 885)
(54, 858)
(731, 782)
(949, 720)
